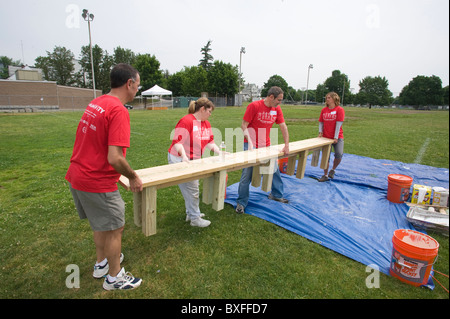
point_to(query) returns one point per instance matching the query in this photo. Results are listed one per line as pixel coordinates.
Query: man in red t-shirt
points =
(97, 162)
(258, 120)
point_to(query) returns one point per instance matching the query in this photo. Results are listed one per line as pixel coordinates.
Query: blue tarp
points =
(349, 214)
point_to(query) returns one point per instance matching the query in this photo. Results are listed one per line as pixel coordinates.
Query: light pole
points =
(89, 17)
(307, 84)
(240, 63)
(303, 92)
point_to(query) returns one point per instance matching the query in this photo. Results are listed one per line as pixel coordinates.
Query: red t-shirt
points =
(104, 122)
(329, 117)
(261, 118)
(193, 134)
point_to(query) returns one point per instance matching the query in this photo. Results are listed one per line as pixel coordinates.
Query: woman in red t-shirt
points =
(193, 134)
(330, 126)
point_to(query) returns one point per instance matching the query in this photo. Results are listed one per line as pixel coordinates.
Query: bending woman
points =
(192, 135)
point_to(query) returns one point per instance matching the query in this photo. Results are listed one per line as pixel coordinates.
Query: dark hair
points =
(121, 73)
(275, 91)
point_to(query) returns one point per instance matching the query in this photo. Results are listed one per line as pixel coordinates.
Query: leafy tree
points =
(102, 67)
(104, 79)
(175, 83)
(124, 56)
(195, 81)
(4, 63)
(292, 95)
(274, 80)
(206, 61)
(148, 67)
(321, 92)
(421, 91)
(57, 66)
(445, 95)
(339, 83)
(43, 63)
(61, 60)
(374, 91)
(223, 78)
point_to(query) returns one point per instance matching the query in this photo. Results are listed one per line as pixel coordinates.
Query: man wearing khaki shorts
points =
(97, 162)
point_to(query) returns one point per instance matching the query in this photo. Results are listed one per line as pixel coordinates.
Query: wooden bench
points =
(213, 170)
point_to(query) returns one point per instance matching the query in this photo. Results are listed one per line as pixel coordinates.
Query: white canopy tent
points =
(159, 92)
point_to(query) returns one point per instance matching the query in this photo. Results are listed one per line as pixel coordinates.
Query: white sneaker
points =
(123, 281)
(199, 222)
(188, 219)
(101, 271)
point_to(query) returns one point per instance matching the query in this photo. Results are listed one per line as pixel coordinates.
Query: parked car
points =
(128, 106)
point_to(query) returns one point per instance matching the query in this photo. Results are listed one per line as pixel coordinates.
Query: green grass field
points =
(238, 256)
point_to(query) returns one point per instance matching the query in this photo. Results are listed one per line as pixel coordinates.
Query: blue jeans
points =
(246, 179)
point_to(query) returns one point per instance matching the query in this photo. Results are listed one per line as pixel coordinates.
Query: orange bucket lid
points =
(415, 241)
(399, 178)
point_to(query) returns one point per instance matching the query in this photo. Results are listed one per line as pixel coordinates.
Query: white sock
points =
(102, 263)
(113, 279)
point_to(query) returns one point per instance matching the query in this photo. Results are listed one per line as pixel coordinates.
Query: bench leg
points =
(137, 208)
(291, 165)
(220, 182)
(301, 166)
(268, 175)
(315, 157)
(208, 190)
(149, 211)
(256, 176)
(325, 156)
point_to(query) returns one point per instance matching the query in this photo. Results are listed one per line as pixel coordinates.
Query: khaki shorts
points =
(105, 211)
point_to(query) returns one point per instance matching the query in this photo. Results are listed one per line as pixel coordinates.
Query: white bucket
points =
(440, 196)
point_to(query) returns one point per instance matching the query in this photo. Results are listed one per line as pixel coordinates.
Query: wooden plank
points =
(149, 211)
(301, 165)
(174, 173)
(219, 190)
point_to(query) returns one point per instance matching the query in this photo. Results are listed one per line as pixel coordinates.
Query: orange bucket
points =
(283, 164)
(413, 256)
(398, 188)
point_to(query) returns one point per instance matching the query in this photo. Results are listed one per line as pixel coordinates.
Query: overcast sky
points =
(397, 39)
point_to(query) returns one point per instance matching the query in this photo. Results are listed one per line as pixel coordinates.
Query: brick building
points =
(16, 95)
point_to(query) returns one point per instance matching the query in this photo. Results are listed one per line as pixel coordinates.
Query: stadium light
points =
(89, 17)
(240, 63)
(307, 84)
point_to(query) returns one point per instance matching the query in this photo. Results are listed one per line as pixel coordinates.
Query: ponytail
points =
(194, 106)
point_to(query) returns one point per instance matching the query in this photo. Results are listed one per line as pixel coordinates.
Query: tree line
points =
(220, 78)
(215, 77)
(420, 91)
